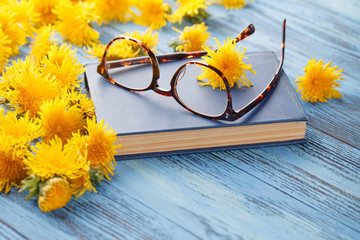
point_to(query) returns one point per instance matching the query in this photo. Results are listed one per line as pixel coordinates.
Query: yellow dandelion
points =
(5, 50)
(14, 71)
(192, 9)
(56, 193)
(99, 145)
(229, 61)
(123, 50)
(231, 4)
(44, 11)
(23, 14)
(149, 38)
(319, 82)
(81, 101)
(12, 29)
(5, 2)
(82, 183)
(55, 159)
(22, 128)
(95, 51)
(87, 106)
(41, 44)
(12, 167)
(74, 23)
(58, 119)
(192, 38)
(16, 68)
(16, 135)
(153, 13)
(113, 10)
(57, 55)
(29, 90)
(62, 63)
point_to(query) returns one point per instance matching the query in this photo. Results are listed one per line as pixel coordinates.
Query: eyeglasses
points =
(130, 64)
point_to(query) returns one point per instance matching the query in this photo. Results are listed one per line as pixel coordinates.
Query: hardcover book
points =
(149, 124)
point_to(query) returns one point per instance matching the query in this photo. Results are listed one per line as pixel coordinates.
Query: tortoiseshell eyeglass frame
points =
(229, 113)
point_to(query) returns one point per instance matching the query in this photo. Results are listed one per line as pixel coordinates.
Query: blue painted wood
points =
(306, 191)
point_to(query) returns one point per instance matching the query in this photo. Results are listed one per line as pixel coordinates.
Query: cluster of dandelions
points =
(226, 58)
(74, 19)
(50, 143)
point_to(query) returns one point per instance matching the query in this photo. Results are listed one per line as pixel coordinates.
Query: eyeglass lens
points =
(201, 99)
(134, 76)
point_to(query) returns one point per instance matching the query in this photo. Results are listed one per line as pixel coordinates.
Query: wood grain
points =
(306, 191)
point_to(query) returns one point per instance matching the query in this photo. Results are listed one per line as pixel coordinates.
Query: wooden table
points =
(305, 191)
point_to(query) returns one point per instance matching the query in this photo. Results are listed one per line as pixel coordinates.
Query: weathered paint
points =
(307, 191)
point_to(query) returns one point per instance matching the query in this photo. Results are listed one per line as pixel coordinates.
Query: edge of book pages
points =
(154, 134)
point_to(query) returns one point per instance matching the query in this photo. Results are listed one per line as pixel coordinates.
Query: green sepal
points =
(175, 43)
(31, 184)
(33, 192)
(10, 107)
(168, 9)
(197, 19)
(96, 176)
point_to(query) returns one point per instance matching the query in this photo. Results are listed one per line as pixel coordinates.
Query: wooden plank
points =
(106, 215)
(223, 181)
(208, 196)
(314, 32)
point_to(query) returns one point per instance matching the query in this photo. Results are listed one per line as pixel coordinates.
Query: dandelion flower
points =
(23, 14)
(56, 193)
(58, 119)
(149, 38)
(42, 42)
(5, 2)
(82, 183)
(62, 63)
(12, 29)
(5, 50)
(16, 135)
(23, 129)
(14, 72)
(74, 23)
(319, 82)
(229, 61)
(16, 69)
(55, 159)
(12, 168)
(113, 10)
(29, 90)
(229, 4)
(153, 13)
(192, 9)
(192, 38)
(99, 145)
(43, 10)
(81, 101)
(95, 51)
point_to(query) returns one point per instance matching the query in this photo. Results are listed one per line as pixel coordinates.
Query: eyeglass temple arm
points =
(175, 56)
(272, 83)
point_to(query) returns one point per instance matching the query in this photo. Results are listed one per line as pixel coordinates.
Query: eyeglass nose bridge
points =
(156, 76)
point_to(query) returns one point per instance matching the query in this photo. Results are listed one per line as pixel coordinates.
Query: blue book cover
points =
(149, 124)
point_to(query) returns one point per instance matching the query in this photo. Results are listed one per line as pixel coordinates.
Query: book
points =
(149, 124)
